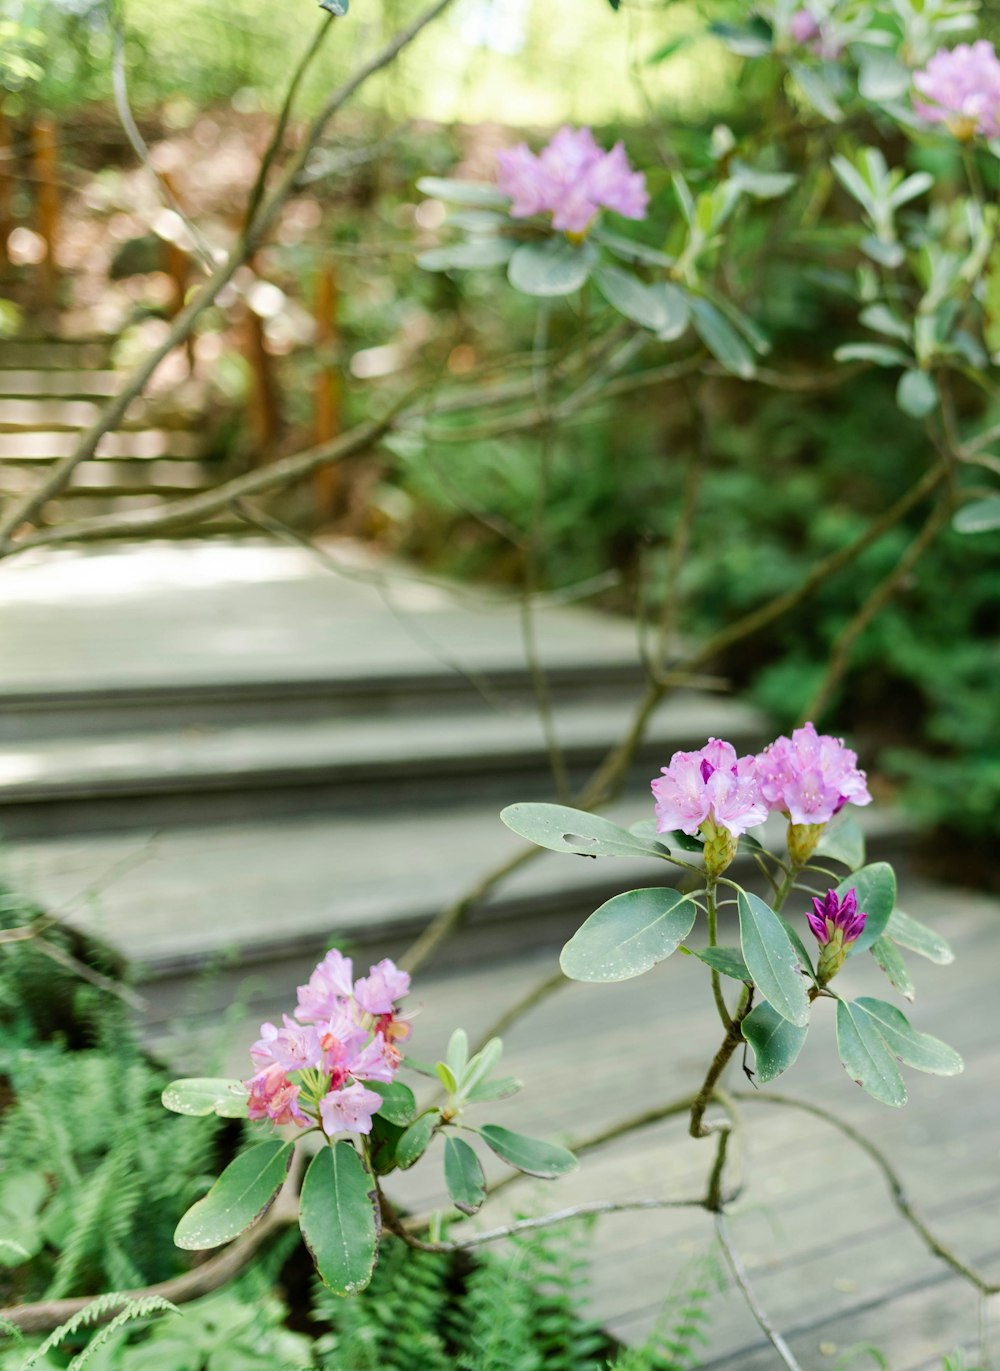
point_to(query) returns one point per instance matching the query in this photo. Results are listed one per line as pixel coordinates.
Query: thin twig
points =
(753, 1304)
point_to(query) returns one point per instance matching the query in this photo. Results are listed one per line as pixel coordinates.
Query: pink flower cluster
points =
(806, 31)
(572, 178)
(963, 86)
(344, 1032)
(809, 777)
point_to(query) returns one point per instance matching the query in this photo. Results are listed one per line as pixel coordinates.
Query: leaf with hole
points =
(917, 937)
(339, 1218)
(562, 829)
(875, 888)
(776, 1043)
(772, 959)
(463, 1175)
(628, 935)
(919, 1050)
(242, 1195)
(199, 1095)
(865, 1056)
(530, 1155)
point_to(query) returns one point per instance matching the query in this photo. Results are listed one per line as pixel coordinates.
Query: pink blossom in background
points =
(802, 27)
(833, 915)
(709, 784)
(349, 1110)
(810, 776)
(329, 987)
(963, 86)
(806, 31)
(572, 178)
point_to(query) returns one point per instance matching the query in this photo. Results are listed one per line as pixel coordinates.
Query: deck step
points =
(57, 354)
(129, 445)
(28, 382)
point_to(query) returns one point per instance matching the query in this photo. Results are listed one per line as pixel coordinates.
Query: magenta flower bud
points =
(572, 178)
(836, 924)
(963, 86)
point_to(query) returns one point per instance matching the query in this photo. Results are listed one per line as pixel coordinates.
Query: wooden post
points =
(265, 414)
(177, 265)
(45, 167)
(326, 483)
(6, 184)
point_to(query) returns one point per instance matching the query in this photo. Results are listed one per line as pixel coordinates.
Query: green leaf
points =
(916, 394)
(572, 830)
(772, 959)
(447, 1078)
(484, 251)
(775, 1042)
(918, 1050)
(633, 298)
(457, 1055)
(875, 887)
(728, 960)
(530, 1155)
(463, 1175)
(887, 252)
(428, 1069)
(339, 1218)
(628, 935)
(979, 516)
(335, 7)
(889, 958)
(553, 267)
(879, 353)
(805, 961)
(844, 842)
(476, 194)
(912, 934)
(242, 1195)
(882, 76)
(763, 185)
(415, 1141)
(816, 89)
(501, 1088)
(199, 1095)
(882, 320)
(866, 1058)
(721, 339)
(629, 250)
(382, 1141)
(398, 1103)
(483, 1064)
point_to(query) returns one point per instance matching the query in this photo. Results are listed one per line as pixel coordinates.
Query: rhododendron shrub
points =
(329, 1078)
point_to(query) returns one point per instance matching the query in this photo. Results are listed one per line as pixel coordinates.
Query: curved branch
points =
(746, 1289)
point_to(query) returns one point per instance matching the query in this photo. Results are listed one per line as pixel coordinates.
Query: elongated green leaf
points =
(816, 89)
(883, 77)
(552, 267)
(500, 1088)
(340, 1219)
(915, 1049)
(979, 516)
(629, 934)
(801, 951)
(483, 1064)
(771, 959)
(628, 250)
(477, 194)
(398, 1103)
(415, 1141)
(880, 353)
(447, 1078)
(198, 1095)
(242, 1194)
(728, 960)
(530, 1155)
(875, 887)
(631, 297)
(912, 934)
(463, 1175)
(562, 829)
(775, 1042)
(844, 842)
(467, 255)
(889, 958)
(382, 1143)
(457, 1055)
(721, 339)
(881, 318)
(866, 1058)
(763, 185)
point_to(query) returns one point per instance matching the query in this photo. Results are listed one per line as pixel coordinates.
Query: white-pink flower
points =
(810, 776)
(349, 1110)
(294, 1047)
(710, 784)
(572, 178)
(963, 86)
(377, 992)
(329, 987)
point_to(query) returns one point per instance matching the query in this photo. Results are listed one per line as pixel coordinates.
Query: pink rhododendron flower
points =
(384, 984)
(963, 86)
(349, 1110)
(274, 1097)
(805, 30)
(293, 1048)
(329, 987)
(711, 784)
(803, 27)
(832, 916)
(572, 178)
(810, 776)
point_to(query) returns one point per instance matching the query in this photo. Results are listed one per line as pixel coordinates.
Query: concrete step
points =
(53, 414)
(42, 353)
(27, 382)
(163, 477)
(195, 776)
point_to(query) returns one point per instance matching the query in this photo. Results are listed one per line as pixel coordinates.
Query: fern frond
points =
(96, 1310)
(135, 1309)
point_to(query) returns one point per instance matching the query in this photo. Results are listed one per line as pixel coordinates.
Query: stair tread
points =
(169, 758)
(140, 444)
(27, 382)
(176, 899)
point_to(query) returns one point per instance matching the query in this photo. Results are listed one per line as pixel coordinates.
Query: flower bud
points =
(802, 840)
(836, 924)
(720, 848)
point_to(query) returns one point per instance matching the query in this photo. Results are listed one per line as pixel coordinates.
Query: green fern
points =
(680, 1335)
(493, 1325)
(129, 1311)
